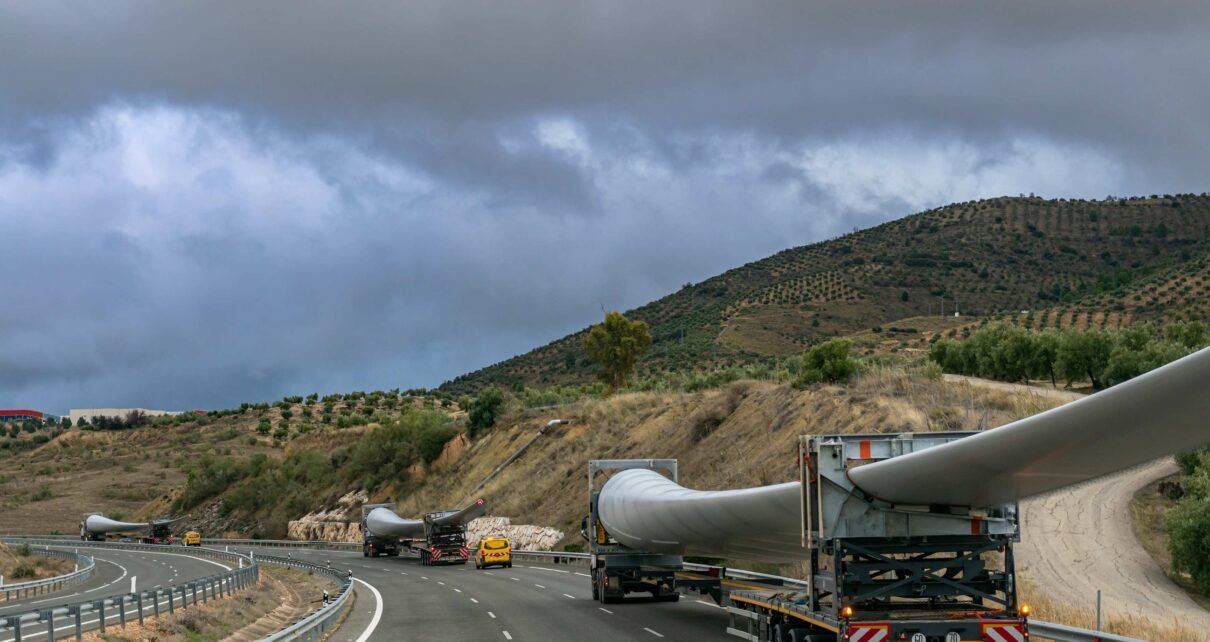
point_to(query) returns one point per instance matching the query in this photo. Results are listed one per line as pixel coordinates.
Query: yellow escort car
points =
(192, 538)
(494, 551)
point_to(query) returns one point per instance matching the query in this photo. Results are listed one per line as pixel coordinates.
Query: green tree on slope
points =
(616, 344)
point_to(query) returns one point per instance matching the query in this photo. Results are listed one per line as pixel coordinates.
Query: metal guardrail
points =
(315, 624)
(1064, 633)
(21, 590)
(290, 543)
(131, 605)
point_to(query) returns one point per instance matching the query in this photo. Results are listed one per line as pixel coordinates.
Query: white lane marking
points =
(507, 636)
(488, 573)
(515, 579)
(474, 600)
(492, 614)
(402, 573)
(571, 596)
(710, 604)
(539, 586)
(606, 610)
(440, 582)
(52, 599)
(365, 635)
(457, 590)
(655, 633)
(552, 570)
(423, 577)
(200, 559)
(583, 574)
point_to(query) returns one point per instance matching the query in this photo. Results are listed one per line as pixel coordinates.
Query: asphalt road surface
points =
(529, 601)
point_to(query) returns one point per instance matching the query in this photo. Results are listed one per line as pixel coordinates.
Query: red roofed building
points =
(21, 415)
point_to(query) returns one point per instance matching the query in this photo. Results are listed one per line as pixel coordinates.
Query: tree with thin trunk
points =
(616, 344)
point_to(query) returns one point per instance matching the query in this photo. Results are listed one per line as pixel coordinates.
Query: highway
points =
(529, 601)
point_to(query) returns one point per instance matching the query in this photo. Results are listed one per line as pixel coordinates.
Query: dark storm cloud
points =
(208, 203)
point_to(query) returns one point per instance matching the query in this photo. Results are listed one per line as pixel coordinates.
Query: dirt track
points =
(1079, 539)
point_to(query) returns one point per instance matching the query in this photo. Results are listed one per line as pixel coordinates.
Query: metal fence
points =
(21, 590)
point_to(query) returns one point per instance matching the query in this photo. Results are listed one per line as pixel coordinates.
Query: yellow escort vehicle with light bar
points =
(494, 551)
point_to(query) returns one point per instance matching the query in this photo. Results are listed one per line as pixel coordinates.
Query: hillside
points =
(225, 476)
(1042, 262)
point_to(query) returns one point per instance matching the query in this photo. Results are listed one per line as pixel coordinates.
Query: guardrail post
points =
(74, 611)
(139, 597)
(100, 604)
(14, 623)
(193, 585)
(171, 605)
(49, 616)
(122, 610)
(155, 601)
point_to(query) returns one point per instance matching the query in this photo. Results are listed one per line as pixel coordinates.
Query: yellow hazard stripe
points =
(786, 611)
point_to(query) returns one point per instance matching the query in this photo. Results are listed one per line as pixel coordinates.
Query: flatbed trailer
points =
(443, 543)
(882, 572)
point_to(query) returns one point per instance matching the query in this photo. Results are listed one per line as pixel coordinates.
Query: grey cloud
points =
(225, 202)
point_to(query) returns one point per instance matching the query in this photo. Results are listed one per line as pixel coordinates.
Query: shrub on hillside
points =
(484, 410)
(827, 362)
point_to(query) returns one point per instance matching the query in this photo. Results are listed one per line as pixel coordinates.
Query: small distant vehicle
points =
(125, 540)
(494, 551)
(192, 538)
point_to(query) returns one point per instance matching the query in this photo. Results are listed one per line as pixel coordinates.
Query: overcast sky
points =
(214, 202)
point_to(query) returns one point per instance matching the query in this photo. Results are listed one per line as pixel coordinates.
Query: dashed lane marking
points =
(474, 600)
(655, 633)
(542, 568)
(507, 636)
(457, 590)
(515, 579)
(606, 610)
(539, 586)
(710, 604)
(583, 574)
(492, 614)
(570, 596)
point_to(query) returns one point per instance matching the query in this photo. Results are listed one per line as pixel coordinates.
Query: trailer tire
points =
(781, 633)
(596, 591)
